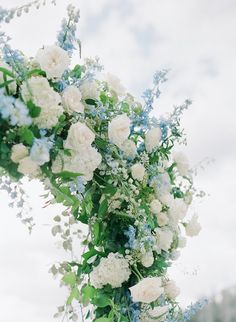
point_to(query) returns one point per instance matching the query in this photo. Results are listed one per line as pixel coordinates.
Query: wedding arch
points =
(113, 166)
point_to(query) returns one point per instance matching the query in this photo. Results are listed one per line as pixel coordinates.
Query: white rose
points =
(19, 152)
(193, 227)
(89, 89)
(182, 163)
(147, 290)
(178, 209)
(38, 89)
(11, 86)
(28, 167)
(53, 60)
(138, 171)
(155, 206)
(119, 129)
(115, 84)
(147, 259)
(129, 148)
(152, 139)
(78, 135)
(71, 99)
(171, 290)
(164, 239)
(162, 219)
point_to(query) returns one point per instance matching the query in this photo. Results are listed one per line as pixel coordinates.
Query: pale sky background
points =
(196, 39)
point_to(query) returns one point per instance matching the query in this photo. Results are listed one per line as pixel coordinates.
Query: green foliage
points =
(34, 110)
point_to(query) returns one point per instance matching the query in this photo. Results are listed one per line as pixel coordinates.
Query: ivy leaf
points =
(88, 293)
(70, 279)
(102, 210)
(34, 110)
(26, 135)
(101, 301)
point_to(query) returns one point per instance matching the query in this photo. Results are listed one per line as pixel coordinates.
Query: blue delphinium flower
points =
(40, 151)
(130, 233)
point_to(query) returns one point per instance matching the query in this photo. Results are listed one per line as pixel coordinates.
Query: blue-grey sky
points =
(196, 40)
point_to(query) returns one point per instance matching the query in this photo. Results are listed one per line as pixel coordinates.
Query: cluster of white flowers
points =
(119, 129)
(147, 290)
(113, 270)
(41, 93)
(84, 158)
(27, 166)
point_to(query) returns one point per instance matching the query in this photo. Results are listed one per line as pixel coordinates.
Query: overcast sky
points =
(196, 39)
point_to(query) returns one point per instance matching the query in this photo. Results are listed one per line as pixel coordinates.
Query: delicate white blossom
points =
(89, 89)
(182, 163)
(147, 259)
(155, 206)
(129, 148)
(162, 219)
(193, 227)
(171, 290)
(28, 167)
(164, 239)
(115, 84)
(78, 135)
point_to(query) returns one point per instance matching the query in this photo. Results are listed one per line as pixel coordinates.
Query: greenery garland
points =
(98, 151)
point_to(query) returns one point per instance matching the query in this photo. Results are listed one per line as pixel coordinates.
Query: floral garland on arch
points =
(112, 166)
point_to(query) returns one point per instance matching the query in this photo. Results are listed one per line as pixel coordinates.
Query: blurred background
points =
(196, 40)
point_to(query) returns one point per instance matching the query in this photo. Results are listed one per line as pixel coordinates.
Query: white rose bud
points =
(147, 290)
(152, 139)
(171, 290)
(193, 227)
(162, 219)
(119, 129)
(19, 152)
(147, 259)
(129, 148)
(28, 167)
(53, 60)
(155, 206)
(138, 171)
(71, 99)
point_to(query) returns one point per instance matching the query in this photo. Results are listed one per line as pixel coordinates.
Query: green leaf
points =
(26, 135)
(7, 72)
(70, 279)
(68, 174)
(34, 110)
(36, 72)
(103, 208)
(77, 71)
(101, 301)
(73, 295)
(109, 190)
(90, 101)
(6, 83)
(96, 232)
(100, 143)
(103, 319)
(88, 293)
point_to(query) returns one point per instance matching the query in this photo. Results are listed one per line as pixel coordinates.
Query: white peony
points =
(115, 84)
(193, 227)
(162, 219)
(11, 86)
(177, 209)
(147, 290)
(164, 239)
(19, 152)
(155, 206)
(39, 91)
(138, 171)
(78, 135)
(53, 60)
(28, 167)
(147, 259)
(71, 99)
(171, 290)
(119, 129)
(129, 148)
(182, 163)
(89, 89)
(152, 139)
(113, 270)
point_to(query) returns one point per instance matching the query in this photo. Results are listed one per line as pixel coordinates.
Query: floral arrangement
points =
(99, 153)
